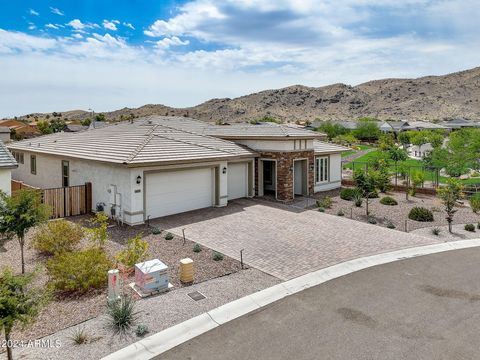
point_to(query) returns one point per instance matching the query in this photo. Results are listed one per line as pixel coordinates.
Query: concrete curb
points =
(169, 338)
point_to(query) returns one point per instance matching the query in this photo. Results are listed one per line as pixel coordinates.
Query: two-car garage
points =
(176, 191)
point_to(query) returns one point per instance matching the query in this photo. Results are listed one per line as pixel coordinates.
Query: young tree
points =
(420, 138)
(332, 129)
(404, 138)
(367, 129)
(19, 213)
(100, 117)
(367, 183)
(44, 127)
(386, 142)
(20, 303)
(449, 195)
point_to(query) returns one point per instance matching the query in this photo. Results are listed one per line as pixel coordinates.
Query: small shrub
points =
(478, 225)
(79, 271)
(121, 314)
(390, 225)
(358, 199)
(169, 236)
(436, 231)
(57, 236)
(141, 330)
(372, 220)
(475, 202)
(388, 200)
(373, 195)
(340, 213)
(321, 209)
(326, 202)
(99, 232)
(420, 214)
(348, 193)
(197, 248)
(156, 231)
(136, 251)
(469, 227)
(79, 336)
(217, 256)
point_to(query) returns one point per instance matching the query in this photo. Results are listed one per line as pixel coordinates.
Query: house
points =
(393, 126)
(424, 125)
(20, 129)
(159, 166)
(7, 164)
(459, 123)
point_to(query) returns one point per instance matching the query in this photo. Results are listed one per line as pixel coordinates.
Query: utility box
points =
(114, 285)
(186, 270)
(151, 276)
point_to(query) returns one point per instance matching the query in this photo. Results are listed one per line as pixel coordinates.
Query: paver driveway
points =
(282, 241)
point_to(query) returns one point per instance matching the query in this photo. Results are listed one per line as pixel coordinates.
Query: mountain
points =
(425, 98)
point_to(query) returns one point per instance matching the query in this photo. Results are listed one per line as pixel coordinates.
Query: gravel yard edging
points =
(167, 339)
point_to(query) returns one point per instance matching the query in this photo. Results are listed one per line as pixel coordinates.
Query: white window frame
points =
(322, 169)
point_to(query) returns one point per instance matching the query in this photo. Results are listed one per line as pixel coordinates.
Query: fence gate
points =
(68, 201)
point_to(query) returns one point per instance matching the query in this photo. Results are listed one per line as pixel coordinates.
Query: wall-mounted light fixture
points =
(224, 170)
(139, 179)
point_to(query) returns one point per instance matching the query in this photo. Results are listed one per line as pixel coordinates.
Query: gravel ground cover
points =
(399, 213)
(157, 312)
(458, 232)
(67, 311)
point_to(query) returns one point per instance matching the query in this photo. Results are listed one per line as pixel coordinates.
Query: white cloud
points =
(110, 25)
(52, 26)
(168, 42)
(33, 12)
(129, 25)
(77, 24)
(77, 36)
(12, 41)
(56, 11)
(31, 26)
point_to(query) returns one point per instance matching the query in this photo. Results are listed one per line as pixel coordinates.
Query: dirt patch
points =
(450, 293)
(358, 317)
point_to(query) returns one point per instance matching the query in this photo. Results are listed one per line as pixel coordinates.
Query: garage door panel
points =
(174, 192)
(237, 180)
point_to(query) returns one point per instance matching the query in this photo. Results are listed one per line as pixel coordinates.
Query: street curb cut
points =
(169, 338)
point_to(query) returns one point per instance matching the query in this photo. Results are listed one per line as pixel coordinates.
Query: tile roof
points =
(7, 161)
(141, 142)
(423, 125)
(321, 147)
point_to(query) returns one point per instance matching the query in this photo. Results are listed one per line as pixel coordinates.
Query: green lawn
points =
(429, 175)
(359, 148)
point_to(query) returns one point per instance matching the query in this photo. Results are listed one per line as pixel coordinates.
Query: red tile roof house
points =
(159, 166)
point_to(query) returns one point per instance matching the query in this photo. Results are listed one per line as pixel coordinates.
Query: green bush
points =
(121, 314)
(348, 193)
(325, 202)
(388, 200)
(372, 220)
(475, 202)
(197, 248)
(79, 336)
(169, 236)
(141, 330)
(136, 251)
(156, 231)
(469, 227)
(79, 271)
(57, 236)
(478, 225)
(99, 230)
(340, 213)
(420, 214)
(358, 199)
(390, 225)
(217, 256)
(321, 209)
(436, 231)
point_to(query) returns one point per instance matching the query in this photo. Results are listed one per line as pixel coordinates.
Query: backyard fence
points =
(64, 201)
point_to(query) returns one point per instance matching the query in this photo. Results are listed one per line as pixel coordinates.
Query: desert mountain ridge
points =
(425, 98)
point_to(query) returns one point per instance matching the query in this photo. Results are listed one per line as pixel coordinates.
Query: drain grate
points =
(197, 296)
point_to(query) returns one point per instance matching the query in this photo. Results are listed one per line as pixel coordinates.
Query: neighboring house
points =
(459, 123)
(419, 152)
(159, 166)
(21, 129)
(424, 125)
(7, 164)
(393, 126)
(4, 134)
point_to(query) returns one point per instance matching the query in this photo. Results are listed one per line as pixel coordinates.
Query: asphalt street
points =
(422, 308)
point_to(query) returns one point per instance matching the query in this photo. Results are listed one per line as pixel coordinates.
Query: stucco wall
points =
(335, 176)
(5, 180)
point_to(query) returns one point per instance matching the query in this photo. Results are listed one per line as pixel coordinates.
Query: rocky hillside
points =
(426, 98)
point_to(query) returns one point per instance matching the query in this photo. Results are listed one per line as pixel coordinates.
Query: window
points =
(65, 173)
(18, 157)
(321, 169)
(33, 164)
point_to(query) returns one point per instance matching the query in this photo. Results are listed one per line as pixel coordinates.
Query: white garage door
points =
(174, 192)
(237, 180)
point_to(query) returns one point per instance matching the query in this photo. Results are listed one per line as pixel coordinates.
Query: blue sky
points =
(59, 55)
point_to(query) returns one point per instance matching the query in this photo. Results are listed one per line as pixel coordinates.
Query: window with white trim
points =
(321, 169)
